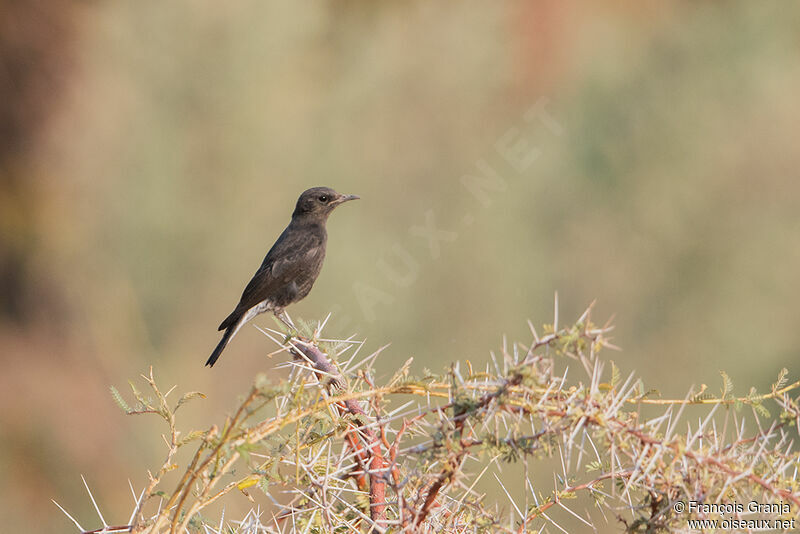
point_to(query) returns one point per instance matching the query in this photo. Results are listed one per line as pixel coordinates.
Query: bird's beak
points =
(345, 198)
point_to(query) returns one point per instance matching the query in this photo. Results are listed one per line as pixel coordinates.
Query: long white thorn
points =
(105, 525)
(67, 514)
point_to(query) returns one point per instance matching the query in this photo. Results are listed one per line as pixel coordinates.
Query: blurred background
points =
(644, 154)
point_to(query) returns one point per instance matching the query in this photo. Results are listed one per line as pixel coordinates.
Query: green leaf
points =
(615, 375)
(727, 384)
(701, 395)
(191, 436)
(782, 380)
(761, 410)
(189, 396)
(593, 466)
(119, 400)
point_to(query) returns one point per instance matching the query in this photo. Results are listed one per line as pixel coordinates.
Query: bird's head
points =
(319, 202)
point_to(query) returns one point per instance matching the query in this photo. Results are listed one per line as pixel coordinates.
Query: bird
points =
(291, 266)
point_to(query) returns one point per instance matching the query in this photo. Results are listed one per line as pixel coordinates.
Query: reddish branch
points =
(454, 462)
(362, 440)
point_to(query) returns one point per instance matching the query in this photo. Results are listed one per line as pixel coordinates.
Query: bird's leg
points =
(281, 314)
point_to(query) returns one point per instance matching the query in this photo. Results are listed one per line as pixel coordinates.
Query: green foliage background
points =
(180, 134)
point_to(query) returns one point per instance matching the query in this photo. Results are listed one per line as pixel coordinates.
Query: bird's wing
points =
(287, 256)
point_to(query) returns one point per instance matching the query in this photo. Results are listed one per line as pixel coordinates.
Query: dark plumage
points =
(290, 267)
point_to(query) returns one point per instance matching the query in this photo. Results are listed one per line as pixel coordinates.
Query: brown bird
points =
(290, 267)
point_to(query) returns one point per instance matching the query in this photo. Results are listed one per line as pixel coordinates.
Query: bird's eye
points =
(323, 198)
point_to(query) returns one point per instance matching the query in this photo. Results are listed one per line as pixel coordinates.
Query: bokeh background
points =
(150, 153)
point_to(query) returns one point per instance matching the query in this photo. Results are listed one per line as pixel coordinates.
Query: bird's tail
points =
(221, 346)
(231, 325)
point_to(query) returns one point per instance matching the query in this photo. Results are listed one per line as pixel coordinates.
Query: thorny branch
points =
(361, 439)
(410, 455)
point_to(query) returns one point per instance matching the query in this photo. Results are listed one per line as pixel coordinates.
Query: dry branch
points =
(354, 455)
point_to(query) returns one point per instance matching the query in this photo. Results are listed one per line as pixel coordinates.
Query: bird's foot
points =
(286, 320)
